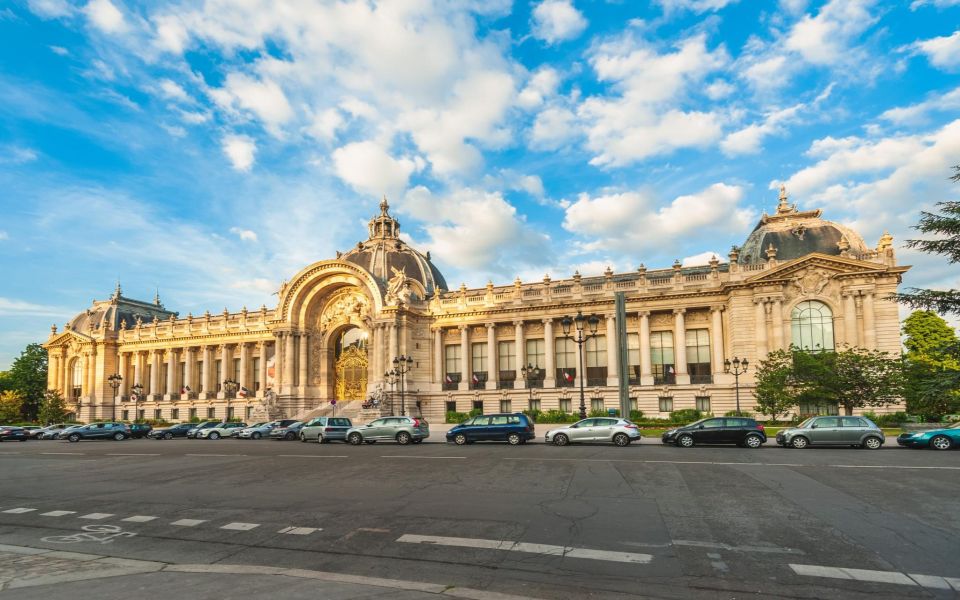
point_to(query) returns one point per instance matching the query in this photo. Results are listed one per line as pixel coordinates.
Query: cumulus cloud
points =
(918, 112)
(552, 128)
(369, 169)
(241, 150)
(264, 98)
(172, 90)
(105, 16)
(696, 6)
(749, 139)
(542, 85)
(557, 21)
(11, 307)
(701, 259)
(823, 39)
(942, 52)
(246, 235)
(937, 3)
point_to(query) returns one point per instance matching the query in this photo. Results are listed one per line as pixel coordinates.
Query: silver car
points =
(601, 429)
(860, 432)
(402, 429)
(325, 429)
(219, 431)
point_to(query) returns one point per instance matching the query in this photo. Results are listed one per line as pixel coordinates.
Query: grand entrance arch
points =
(350, 365)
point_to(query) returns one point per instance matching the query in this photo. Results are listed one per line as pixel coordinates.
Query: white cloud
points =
(557, 21)
(59, 50)
(697, 6)
(552, 128)
(172, 34)
(937, 3)
(246, 235)
(823, 39)
(10, 307)
(17, 155)
(50, 9)
(369, 169)
(767, 72)
(942, 52)
(917, 113)
(749, 139)
(325, 124)
(719, 89)
(105, 16)
(701, 259)
(172, 90)
(542, 85)
(264, 98)
(240, 149)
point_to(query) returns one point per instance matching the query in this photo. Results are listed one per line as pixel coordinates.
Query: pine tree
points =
(946, 227)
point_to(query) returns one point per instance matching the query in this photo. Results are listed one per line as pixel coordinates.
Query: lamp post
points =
(401, 366)
(581, 338)
(737, 367)
(114, 381)
(391, 377)
(230, 387)
(137, 394)
(530, 373)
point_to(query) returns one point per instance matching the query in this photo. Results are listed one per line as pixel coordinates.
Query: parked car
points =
(741, 431)
(192, 433)
(943, 438)
(10, 433)
(61, 433)
(513, 428)
(860, 432)
(288, 432)
(257, 431)
(41, 434)
(168, 433)
(402, 429)
(98, 431)
(139, 430)
(31, 429)
(325, 429)
(220, 430)
(601, 429)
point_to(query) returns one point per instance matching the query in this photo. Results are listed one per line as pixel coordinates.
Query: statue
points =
(398, 290)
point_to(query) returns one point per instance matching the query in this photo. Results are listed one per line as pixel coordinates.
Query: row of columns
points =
(862, 331)
(859, 320)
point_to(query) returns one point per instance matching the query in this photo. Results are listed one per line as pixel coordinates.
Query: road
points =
(535, 520)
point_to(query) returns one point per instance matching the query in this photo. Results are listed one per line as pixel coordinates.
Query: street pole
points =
(402, 365)
(737, 367)
(592, 321)
(114, 381)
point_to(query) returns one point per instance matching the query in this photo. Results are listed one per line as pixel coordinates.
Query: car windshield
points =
(696, 422)
(806, 423)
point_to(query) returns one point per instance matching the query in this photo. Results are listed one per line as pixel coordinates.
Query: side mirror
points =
(813, 426)
(701, 427)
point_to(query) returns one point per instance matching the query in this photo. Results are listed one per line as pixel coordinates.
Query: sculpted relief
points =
(810, 282)
(399, 291)
(348, 306)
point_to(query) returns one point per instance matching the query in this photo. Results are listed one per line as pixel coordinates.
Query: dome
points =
(795, 233)
(384, 254)
(109, 314)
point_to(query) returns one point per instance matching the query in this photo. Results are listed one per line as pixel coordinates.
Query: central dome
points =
(384, 252)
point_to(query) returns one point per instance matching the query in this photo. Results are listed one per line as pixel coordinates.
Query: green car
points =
(938, 439)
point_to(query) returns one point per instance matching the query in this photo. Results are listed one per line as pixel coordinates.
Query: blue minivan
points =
(515, 428)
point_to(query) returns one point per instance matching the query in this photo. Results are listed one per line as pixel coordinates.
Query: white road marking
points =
(188, 522)
(416, 456)
(58, 513)
(546, 549)
(240, 526)
(313, 456)
(96, 516)
(931, 581)
(761, 549)
(894, 577)
(64, 453)
(139, 519)
(214, 454)
(131, 454)
(299, 530)
(19, 511)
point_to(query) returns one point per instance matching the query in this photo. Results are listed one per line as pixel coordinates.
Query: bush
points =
(636, 415)
(743, 413)
(556, 416)
(534, 414)
(603, 413)
(475, 412)
(456, 417)
(891, 420)
(685, 415)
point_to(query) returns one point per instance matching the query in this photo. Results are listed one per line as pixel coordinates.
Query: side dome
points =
(119, 311)
(384, 251)
(793, 233)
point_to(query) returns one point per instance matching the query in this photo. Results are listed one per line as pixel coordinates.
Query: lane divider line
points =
(240, 526)
(415, 456)
(64, 453)
(544, 549)
(313, 456)
(131, 454)
(139, 519)
(96, 516)
(214, 454)
(893, 577)
(58, 513)
(188, 522)
(19, 511)
(299, 530)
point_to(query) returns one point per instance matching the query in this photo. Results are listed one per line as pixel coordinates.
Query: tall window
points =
(661, 357)
(163, 379)
(198, 376)
(633, 357)
(698, 355)
(506, 406)
(76, 379)
(596, 404)
(451, 355)
(565, 405)
(566, 356)
(235, 373)
(478, 361)
(174, 414)
(812, 326)
(219, 374)
(665, 404)
(256, 374)
(702, 403)
(148, 383)
(595, 355)
(536, 356)
(507, 352)
(192, 413)
(181, 371)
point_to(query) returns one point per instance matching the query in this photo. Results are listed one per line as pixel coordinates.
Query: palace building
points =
(339, 323)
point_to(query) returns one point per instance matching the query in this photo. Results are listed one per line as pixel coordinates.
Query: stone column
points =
(205, 371)
(521, 352)
(646, 370)
(680, 346)
(244, 376)
(154, 373)
(172, 389)
(278, 360)
(716, 337)
(776, 317)
(550, 352)
(65, 375)
(53, 371)
(869, 322)
(493, 375)
(303, 375)
(289, 377)
(84, 378)
(438, 357)
(123, 368)
(225, 369)
(189, 366)
(850, 318)
(612, 358)
(393, 349)
(374, 351)
(466, 358)
(137, 368)
(760, 317)
(264, 346)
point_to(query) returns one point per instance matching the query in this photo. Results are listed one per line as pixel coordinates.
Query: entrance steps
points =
(351, 410)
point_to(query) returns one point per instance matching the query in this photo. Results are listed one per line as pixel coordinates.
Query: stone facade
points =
(467, 346)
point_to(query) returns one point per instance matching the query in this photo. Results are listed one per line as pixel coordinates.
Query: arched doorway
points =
(350, 365)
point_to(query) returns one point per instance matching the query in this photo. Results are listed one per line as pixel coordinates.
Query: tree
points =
(851, 377)
(946, 227)
(11, 403)
(53, 408)
(776, 391)
(931, 366)
(28, 376)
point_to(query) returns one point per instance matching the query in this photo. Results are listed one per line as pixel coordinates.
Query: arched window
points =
(76, 379)
(812, 326)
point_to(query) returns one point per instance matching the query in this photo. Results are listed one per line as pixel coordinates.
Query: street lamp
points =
(401, 366)
(230, 387)
(530, 373)
(739, 367)
(114, 381)
(592, 322)
(391, 377)
(137, 394)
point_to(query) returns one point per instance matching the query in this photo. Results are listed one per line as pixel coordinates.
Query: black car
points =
(99, 431)
(9, 433)
(741, 431)
(513, 428)
(139, 430)
(171, 432)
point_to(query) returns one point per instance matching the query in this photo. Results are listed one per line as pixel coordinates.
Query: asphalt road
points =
(533, 520)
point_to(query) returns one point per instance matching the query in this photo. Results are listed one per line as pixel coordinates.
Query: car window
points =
(586, 423)
(853, 422)
(513, 419)
(607, 422)
(481, 421)
(712, 423)
(828, 422)
(498, 420)
(738, 423)
(342, 422)
(378, 423)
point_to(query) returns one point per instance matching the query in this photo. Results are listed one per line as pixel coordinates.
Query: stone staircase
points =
(352, 410)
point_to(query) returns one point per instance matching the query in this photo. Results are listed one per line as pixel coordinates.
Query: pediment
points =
(819, 267)
(67, 338)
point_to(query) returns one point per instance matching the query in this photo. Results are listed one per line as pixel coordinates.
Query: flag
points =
(567, 377)
(134, 398)
(475, 378)
(244, 392)
(185, 389)
(448, 379)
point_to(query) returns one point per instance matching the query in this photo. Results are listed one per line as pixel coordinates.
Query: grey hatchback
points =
(402, 429)
(325, 429)
(859, 432)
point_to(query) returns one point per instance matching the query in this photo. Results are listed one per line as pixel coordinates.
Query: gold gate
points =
(351, 369)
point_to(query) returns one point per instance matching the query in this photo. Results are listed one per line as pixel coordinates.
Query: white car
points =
(221, 430)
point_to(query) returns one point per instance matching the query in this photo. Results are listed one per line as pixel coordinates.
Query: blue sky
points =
(213, 149)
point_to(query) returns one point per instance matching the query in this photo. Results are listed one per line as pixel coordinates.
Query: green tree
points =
(931, 366)
(53, 408)
(946, 228)
(851, 377)
(11, 404)
(28, 376)
(776, 390)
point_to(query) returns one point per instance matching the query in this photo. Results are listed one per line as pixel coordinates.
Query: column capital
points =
(718, 308)
(679, 311)
(643, 314)
(491, 325)
(760, 300)
(548, 320)
(518, 323)
(462, 327)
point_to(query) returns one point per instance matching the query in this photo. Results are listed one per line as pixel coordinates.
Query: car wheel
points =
(303, 438)
(355, 438)
(621, 439)
(685, 441)
(799, 442)
(872, 443)
(73, 437)
(320, 439)
(256, 435)
(168, 436)
(940, 442)
(118, 436)
(214, 436)
(290, 436)
(460, 439)
(561, 439)
(753, 441)
(513, 439)
(403, 438)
